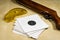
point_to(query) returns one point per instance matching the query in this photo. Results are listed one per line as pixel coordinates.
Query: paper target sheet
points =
(31, 26)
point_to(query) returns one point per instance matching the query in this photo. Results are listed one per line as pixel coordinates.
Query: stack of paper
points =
(32, 26)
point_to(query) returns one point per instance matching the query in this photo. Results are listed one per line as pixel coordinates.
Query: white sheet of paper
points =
(20, 33)
(22, 27)
(35, 34)
(40, 24)
(18, 27)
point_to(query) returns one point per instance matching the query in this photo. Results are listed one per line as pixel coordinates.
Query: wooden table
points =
(6, 28)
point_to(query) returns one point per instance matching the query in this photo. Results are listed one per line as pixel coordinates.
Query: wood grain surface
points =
(6, 28)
